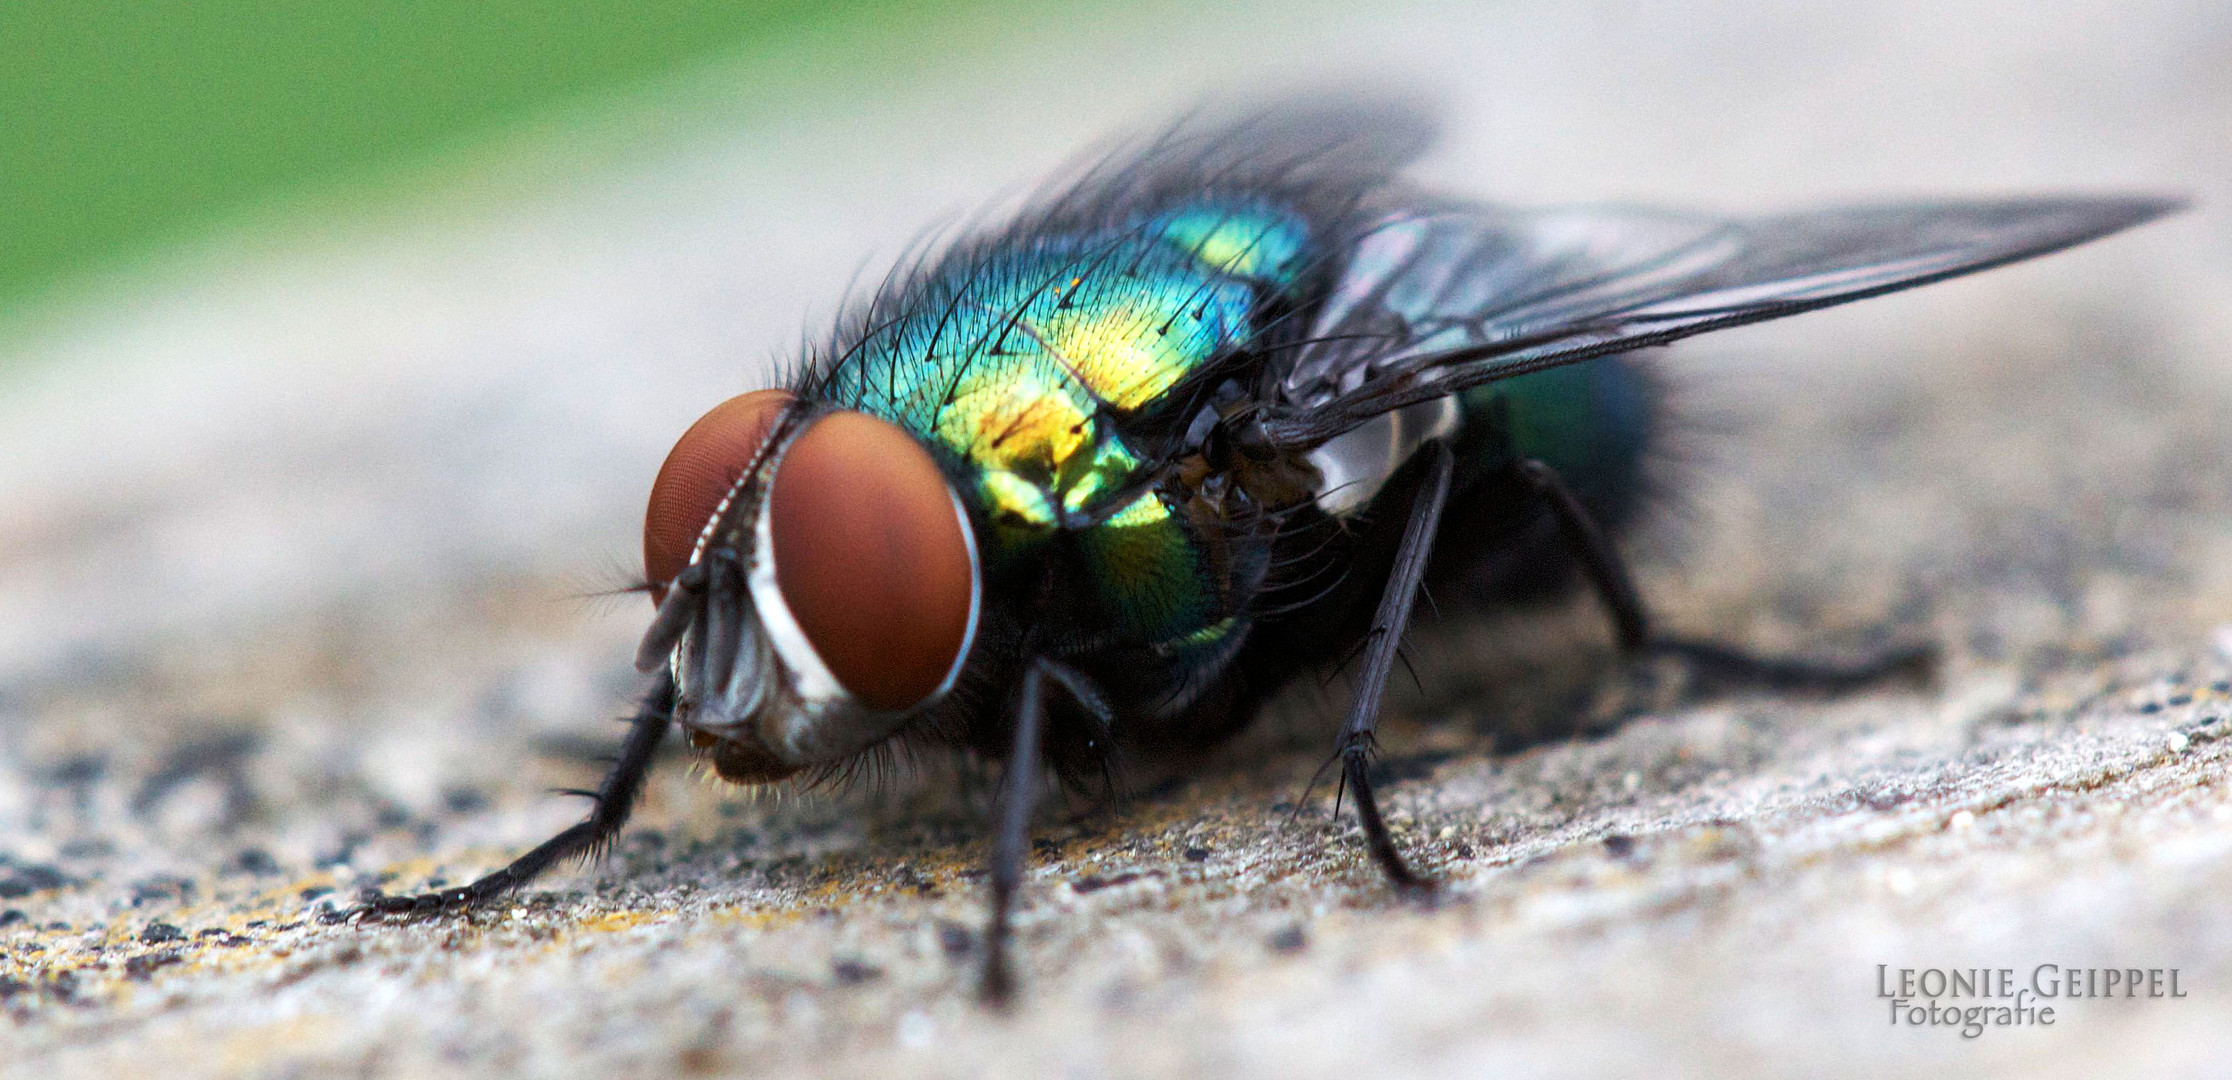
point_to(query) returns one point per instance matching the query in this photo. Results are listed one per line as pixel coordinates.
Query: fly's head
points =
(817, 581)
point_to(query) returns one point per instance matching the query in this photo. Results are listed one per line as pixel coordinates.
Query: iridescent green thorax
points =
(1014, 357)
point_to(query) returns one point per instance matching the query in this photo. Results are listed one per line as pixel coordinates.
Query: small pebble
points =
(256, 861)
(2178, 742)
(1900, 881)
(1961, 820)
(1289, 939)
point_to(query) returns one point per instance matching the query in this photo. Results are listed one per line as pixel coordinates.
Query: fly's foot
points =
(1356, 761)
(1714, 668)
(374, 904)
(464, 899)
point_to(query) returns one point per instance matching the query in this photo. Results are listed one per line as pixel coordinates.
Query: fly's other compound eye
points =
(699, 472)
(874, 558)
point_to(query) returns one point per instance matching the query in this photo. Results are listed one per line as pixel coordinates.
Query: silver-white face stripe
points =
(976, 600)
(811, 679)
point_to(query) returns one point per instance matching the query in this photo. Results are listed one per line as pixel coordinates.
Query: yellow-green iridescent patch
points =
(1015, 500)
(1208, 635)
(1148, 569)
(1026, 423)
(1253, 243)
(1028, 435)
(1122, 353)
(1109, 467)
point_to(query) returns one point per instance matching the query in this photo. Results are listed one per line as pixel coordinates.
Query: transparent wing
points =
(1436, 301)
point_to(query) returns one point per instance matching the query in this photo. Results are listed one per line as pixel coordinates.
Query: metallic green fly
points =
(1207, 417)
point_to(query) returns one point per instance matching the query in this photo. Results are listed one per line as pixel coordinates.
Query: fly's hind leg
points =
(1588, 545)
(615, 799)
(1714, 664)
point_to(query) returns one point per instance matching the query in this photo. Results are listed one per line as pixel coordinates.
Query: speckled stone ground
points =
(296, 539)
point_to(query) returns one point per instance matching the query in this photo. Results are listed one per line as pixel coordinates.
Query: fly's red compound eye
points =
(871, 553)
(698, 474)
(873, 558)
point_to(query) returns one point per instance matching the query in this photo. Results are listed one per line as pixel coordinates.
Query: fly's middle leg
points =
(1382, 645)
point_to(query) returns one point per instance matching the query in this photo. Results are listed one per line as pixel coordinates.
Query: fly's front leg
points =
(1385, 641)
(615, 799)
(1012, 840)
(1018, 797)
(1717, 663)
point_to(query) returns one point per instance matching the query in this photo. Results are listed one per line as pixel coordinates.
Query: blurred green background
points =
(127, 126)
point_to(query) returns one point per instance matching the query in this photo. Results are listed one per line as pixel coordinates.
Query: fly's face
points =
(817, 581)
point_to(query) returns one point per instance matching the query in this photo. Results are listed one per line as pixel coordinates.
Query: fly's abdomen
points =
(1592, 422)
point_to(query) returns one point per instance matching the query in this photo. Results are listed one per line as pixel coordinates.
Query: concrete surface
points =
(297, 535)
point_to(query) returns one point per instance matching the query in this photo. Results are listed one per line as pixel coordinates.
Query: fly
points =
(1098, 482)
